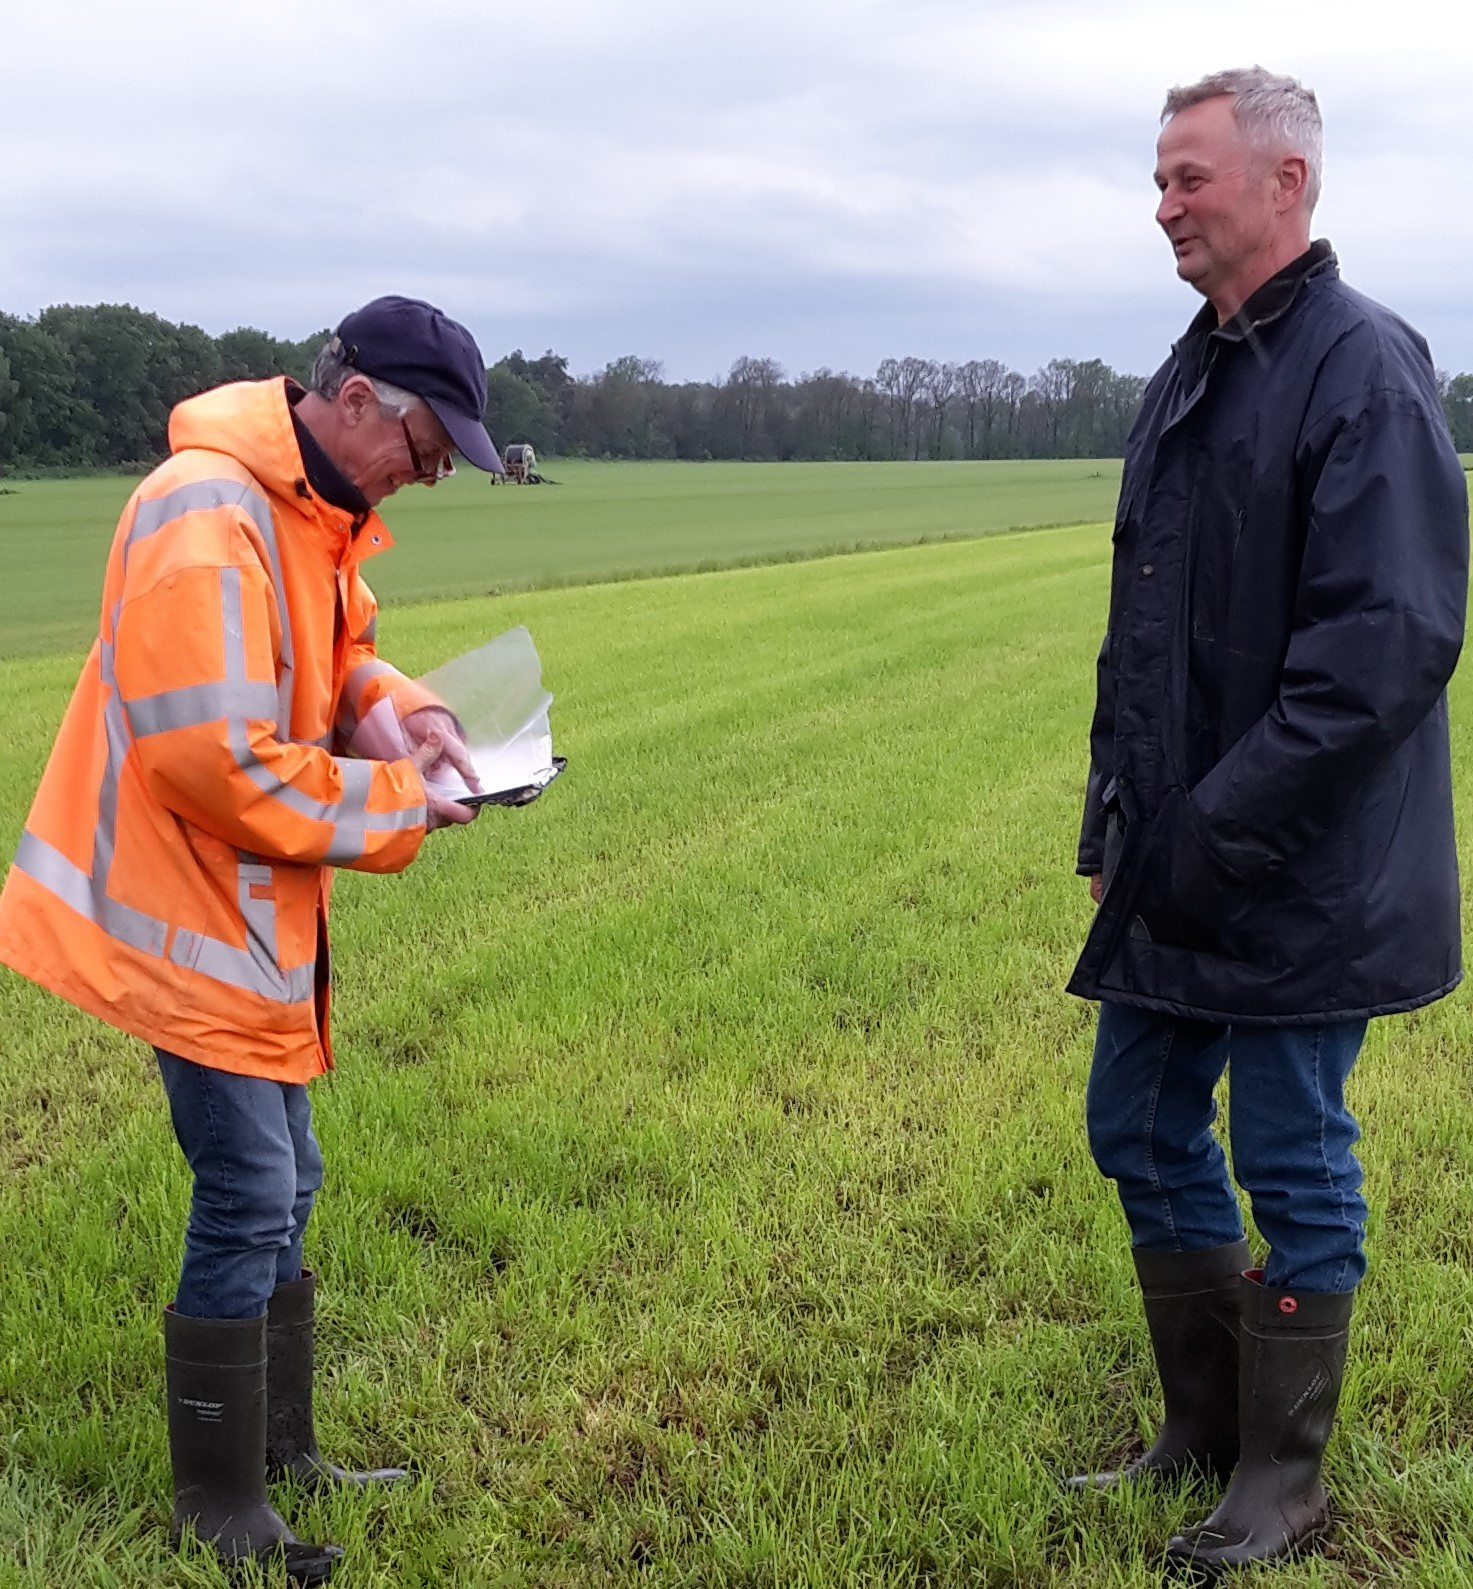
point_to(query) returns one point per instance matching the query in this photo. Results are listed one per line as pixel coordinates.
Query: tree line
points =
(909, 408)
(91, 387)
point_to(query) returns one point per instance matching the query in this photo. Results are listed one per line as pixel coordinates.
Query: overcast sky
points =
(818, 182)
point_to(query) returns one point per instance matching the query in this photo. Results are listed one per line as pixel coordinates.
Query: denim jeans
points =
(257, 1169)
(1150, 1112)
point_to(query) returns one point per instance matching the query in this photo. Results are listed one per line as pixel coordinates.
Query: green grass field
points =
(601, 522)
(708, 1200)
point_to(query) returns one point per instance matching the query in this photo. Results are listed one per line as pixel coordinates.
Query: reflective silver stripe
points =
(350, 832)
(253, 969)
(50, 868)
(129, 926)
(353, 687)
(351, 836)
(286, 657)
(196, 704)
(241, 968)
(370, 634)
(348, 818)
(359, 679)
(200, 496)
(257, 967)
(357, 779)
(347, 845)
(349, 813)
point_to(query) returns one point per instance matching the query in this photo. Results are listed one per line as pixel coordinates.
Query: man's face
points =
(1218, 196)
(383, 451)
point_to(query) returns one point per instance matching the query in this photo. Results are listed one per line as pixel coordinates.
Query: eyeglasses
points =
(444, 465)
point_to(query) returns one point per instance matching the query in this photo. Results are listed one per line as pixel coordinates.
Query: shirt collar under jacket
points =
(323, 475)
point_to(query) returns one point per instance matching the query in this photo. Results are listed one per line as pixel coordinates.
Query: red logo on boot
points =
(1288, 1305)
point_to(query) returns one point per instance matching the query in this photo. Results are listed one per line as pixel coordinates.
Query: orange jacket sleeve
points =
(196, 671)
(367, 677)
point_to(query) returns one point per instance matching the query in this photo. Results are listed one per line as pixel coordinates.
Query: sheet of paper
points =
(496, 692)
(523, 760)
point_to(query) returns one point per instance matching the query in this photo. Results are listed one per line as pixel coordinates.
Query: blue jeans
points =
(257, 1169)
(1150, 1112)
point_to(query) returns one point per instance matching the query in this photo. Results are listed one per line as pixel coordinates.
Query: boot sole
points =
(1197, 1569)
(308, 1572)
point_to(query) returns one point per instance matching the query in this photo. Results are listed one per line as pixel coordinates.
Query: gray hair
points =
(331, 368)
(1277, 115)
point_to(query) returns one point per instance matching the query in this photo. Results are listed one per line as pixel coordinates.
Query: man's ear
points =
(356, 398)
(1291, 179)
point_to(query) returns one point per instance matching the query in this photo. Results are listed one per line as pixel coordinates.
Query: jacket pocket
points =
(1187, 899)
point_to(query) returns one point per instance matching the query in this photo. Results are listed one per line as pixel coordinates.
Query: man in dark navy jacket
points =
(1268, 826)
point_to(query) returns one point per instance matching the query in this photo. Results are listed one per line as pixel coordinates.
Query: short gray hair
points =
(331, 368)
(1277, 115)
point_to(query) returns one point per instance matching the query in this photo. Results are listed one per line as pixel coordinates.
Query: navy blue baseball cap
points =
(410, 344)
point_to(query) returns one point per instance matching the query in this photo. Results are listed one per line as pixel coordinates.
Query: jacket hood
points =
(249, 421)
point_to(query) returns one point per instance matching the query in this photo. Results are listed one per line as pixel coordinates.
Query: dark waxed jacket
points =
(1269, 794)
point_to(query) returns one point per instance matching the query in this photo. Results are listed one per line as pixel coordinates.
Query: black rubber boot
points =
(1191, 1304)
(291, 1440)
(1293, 1361)
(216, 1375)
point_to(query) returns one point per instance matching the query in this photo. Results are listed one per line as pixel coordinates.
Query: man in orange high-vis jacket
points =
(173, 874)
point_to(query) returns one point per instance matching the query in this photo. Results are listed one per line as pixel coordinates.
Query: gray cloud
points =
(819, 182)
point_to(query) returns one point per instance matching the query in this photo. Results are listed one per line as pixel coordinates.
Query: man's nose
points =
(1169, 209)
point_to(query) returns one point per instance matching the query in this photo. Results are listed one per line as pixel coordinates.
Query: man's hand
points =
(441, 721)
(442, 811)
(1097, 887)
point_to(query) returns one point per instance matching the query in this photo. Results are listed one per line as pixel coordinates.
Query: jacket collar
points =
(1272, 299)
(251, 421)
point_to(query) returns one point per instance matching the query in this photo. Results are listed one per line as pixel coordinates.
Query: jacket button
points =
(1147, 570)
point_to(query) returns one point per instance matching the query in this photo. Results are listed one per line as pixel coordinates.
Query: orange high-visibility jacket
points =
(173, 875)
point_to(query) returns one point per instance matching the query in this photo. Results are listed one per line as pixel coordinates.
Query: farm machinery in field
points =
(521, 465)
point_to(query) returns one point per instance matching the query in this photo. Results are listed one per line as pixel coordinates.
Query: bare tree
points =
(914, 373)
(823, 404)
(867, 406)
(1053, 386)
(888, 384)
(1011, 393)
(753, 385)
(981, 383)
(940, 387)
(971, 384)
